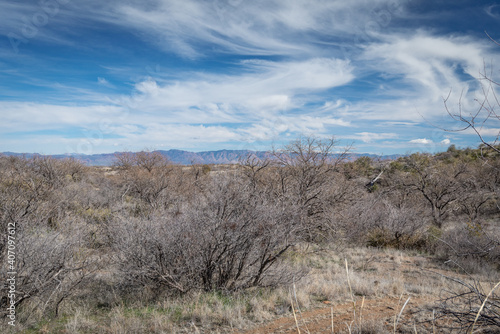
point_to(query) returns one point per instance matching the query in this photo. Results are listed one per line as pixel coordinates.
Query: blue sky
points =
(96, 77)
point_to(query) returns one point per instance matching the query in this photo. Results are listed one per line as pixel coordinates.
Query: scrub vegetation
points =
(151, 247)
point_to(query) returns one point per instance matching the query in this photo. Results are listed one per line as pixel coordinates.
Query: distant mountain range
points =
(185, 157)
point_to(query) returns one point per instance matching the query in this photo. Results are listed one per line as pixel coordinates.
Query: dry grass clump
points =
(203, 312)
(373, 274)
(371, 326)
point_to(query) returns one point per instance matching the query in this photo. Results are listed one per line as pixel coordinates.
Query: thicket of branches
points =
(151, 225)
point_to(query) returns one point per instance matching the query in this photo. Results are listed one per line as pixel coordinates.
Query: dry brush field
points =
(302, 242)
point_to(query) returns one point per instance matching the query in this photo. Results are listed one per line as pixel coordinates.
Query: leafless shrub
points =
(124, 160)
(399, 227)
(470, 306)
(157, 189)
(306, 170)
(378, 222)
(472, 247)
(47, 245)
(144, 159)
(49, 267)
(26, 189)
(255, 169)
(230, 239)
(439, 185)
(486, 113)
(48, 169)
(151, 179)
(150, 160)
(477, 195)
(345, 201)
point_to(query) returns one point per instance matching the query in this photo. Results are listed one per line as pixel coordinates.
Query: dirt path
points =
(378, 311)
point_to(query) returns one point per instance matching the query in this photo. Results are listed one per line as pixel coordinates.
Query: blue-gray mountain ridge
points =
(184, 157)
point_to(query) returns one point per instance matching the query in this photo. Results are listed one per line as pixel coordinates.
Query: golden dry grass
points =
(374, 274)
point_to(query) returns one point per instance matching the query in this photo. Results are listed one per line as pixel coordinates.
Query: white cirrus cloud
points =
(103, 82)
(370, 137)
(264, 89)
(433, 64)
(192, 28)
(29, 116)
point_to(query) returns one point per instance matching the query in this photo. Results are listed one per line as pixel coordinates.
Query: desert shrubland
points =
(152, 234)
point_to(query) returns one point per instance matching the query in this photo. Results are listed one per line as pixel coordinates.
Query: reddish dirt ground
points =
(381, 311)
(320, 320)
